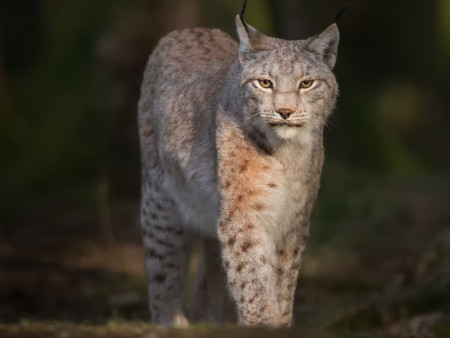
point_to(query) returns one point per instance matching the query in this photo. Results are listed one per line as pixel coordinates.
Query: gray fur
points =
(220, 162)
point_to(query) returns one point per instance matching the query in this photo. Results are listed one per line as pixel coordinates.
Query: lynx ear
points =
(326, 44)
(251, 40)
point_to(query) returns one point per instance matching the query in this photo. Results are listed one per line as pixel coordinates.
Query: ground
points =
(377, 264)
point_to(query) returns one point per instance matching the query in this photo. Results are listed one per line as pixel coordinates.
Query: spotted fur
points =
(234, 164)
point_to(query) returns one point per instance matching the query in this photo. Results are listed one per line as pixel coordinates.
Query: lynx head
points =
(288, 86)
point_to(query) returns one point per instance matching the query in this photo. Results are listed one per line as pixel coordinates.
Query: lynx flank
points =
(231, 142)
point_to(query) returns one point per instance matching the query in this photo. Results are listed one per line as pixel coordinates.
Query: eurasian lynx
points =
(231, 140)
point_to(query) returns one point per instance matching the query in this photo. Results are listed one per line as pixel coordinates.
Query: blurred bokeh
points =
(70, 73)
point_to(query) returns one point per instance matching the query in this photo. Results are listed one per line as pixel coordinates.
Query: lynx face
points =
(287, 94)
(288, 86)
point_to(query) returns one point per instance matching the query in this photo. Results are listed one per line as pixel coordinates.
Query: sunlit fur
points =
(220, 165)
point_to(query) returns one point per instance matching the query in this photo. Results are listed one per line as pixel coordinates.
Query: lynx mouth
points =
(286, 124)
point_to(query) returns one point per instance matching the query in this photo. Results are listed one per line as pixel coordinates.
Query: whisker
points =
(255, 121)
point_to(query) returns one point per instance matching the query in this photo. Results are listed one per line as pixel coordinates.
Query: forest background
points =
(70, 72)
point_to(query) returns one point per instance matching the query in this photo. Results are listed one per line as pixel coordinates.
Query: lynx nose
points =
(284, 113)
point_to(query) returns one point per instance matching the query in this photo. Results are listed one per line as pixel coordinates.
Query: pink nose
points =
(285, 113)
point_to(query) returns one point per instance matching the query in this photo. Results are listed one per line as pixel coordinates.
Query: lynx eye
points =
(306, 83)
(265, 83)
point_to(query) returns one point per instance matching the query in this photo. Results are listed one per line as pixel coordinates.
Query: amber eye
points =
(306, 83)
(265, 83)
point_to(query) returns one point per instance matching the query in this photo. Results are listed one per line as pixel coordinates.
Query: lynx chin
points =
(231, 146)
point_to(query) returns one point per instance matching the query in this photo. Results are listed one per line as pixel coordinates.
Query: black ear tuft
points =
(341, 13)
(242, 12)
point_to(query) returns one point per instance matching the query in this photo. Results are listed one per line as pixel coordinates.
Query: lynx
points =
(232, 151)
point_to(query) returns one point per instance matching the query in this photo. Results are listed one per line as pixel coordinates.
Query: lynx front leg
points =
(251, 276)
(289, 255)
(252, 193)
(166, 255)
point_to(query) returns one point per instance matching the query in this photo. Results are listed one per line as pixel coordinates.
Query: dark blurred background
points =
(70, 73)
